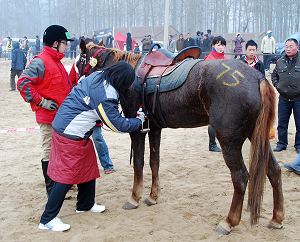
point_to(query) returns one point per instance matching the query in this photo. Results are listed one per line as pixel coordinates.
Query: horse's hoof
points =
(131, 204)
(149, 201)
(223, 228)
(274, 225)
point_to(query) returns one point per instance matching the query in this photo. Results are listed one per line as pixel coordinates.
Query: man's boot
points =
(214, 148)
(48, 180)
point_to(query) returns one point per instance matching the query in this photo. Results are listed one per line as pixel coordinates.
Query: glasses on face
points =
(64, 42)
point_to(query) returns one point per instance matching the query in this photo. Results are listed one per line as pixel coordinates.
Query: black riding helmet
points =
(55, 33)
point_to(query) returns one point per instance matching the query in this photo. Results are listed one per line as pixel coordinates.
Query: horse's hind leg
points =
(274, 176)
(154, 140)
(231, 149)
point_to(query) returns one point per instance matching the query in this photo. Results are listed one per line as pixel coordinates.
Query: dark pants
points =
(72, 53)
(285, 109)
(85, 199)
(267, 60)
(212, 135)
(13, 74)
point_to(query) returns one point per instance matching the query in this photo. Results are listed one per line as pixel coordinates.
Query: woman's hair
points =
(218, 39)
(120, 75)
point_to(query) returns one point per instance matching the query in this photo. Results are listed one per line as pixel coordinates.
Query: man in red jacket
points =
(45, 84)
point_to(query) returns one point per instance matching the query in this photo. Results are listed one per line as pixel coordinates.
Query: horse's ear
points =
(101, 43)
(82, 46)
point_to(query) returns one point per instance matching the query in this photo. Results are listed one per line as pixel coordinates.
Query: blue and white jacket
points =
(87, 103)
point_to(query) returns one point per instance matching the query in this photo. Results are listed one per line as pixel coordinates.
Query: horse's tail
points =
(260, 150)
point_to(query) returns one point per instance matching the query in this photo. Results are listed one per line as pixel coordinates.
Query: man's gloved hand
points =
(140, 115)
(48, 104)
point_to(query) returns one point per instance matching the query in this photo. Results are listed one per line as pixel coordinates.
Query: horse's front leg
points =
(154, 141)
(138, 147)
(274, 175)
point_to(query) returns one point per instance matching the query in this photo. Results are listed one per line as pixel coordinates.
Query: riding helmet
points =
(55, 33)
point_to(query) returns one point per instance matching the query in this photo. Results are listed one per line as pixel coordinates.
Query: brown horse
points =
(229, 95)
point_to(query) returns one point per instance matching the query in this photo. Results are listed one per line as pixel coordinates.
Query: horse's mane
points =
(118, 55)
(128, 57)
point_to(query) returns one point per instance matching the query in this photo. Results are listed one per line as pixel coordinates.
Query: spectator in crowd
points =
(179, 43)
(206, 44)
(45, 84)
(251, 57)
(147, 43)
(238, 47)
(73, 47)
(18, 62)
(268, 48)
(1, 49)
(136, 49)
(199, 39)
(37, 45)
(9, 47)
(189, 41)
(217, 53)
(171, 44)
(109, 41)
(25, 45)
(210, 38)
(286, 79)
(73, 159)
(128, 42)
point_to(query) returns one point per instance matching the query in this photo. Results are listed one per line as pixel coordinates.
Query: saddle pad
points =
(173, 80)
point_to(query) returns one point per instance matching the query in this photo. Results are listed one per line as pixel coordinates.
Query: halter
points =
(88, 66)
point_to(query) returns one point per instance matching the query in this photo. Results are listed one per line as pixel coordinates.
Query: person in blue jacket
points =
(72, 157)
(18, 62)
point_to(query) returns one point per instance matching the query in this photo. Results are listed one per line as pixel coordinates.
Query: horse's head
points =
(95, 57)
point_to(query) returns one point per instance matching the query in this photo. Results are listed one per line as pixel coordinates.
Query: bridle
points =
(85, 67)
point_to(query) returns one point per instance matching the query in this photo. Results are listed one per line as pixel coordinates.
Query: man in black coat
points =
(189, 41)
(286, 79)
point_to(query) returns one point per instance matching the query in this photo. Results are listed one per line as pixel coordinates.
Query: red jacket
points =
(45, 77)
(214, 55)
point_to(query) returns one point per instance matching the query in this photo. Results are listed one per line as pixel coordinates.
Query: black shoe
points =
(279, 148)
(214, 148)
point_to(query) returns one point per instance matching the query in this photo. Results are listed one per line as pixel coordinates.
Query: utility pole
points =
(166, 24)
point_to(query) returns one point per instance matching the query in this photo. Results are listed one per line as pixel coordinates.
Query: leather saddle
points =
(157, 62)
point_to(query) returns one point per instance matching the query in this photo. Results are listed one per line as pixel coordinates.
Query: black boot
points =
(214, 148)
(212, 140)
(48, 180)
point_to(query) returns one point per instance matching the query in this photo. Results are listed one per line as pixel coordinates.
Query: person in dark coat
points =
(109, 41)
(286, 79)
(136, 49)
(179, 43)
(189, 41)
(37, 45)
(147, 43)
(251, 58)
(18, 62)
(73, 47)
(128, 42)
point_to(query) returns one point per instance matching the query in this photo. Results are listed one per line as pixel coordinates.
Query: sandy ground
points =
(196, 189)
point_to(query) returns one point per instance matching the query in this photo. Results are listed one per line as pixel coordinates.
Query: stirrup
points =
(146, 129)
